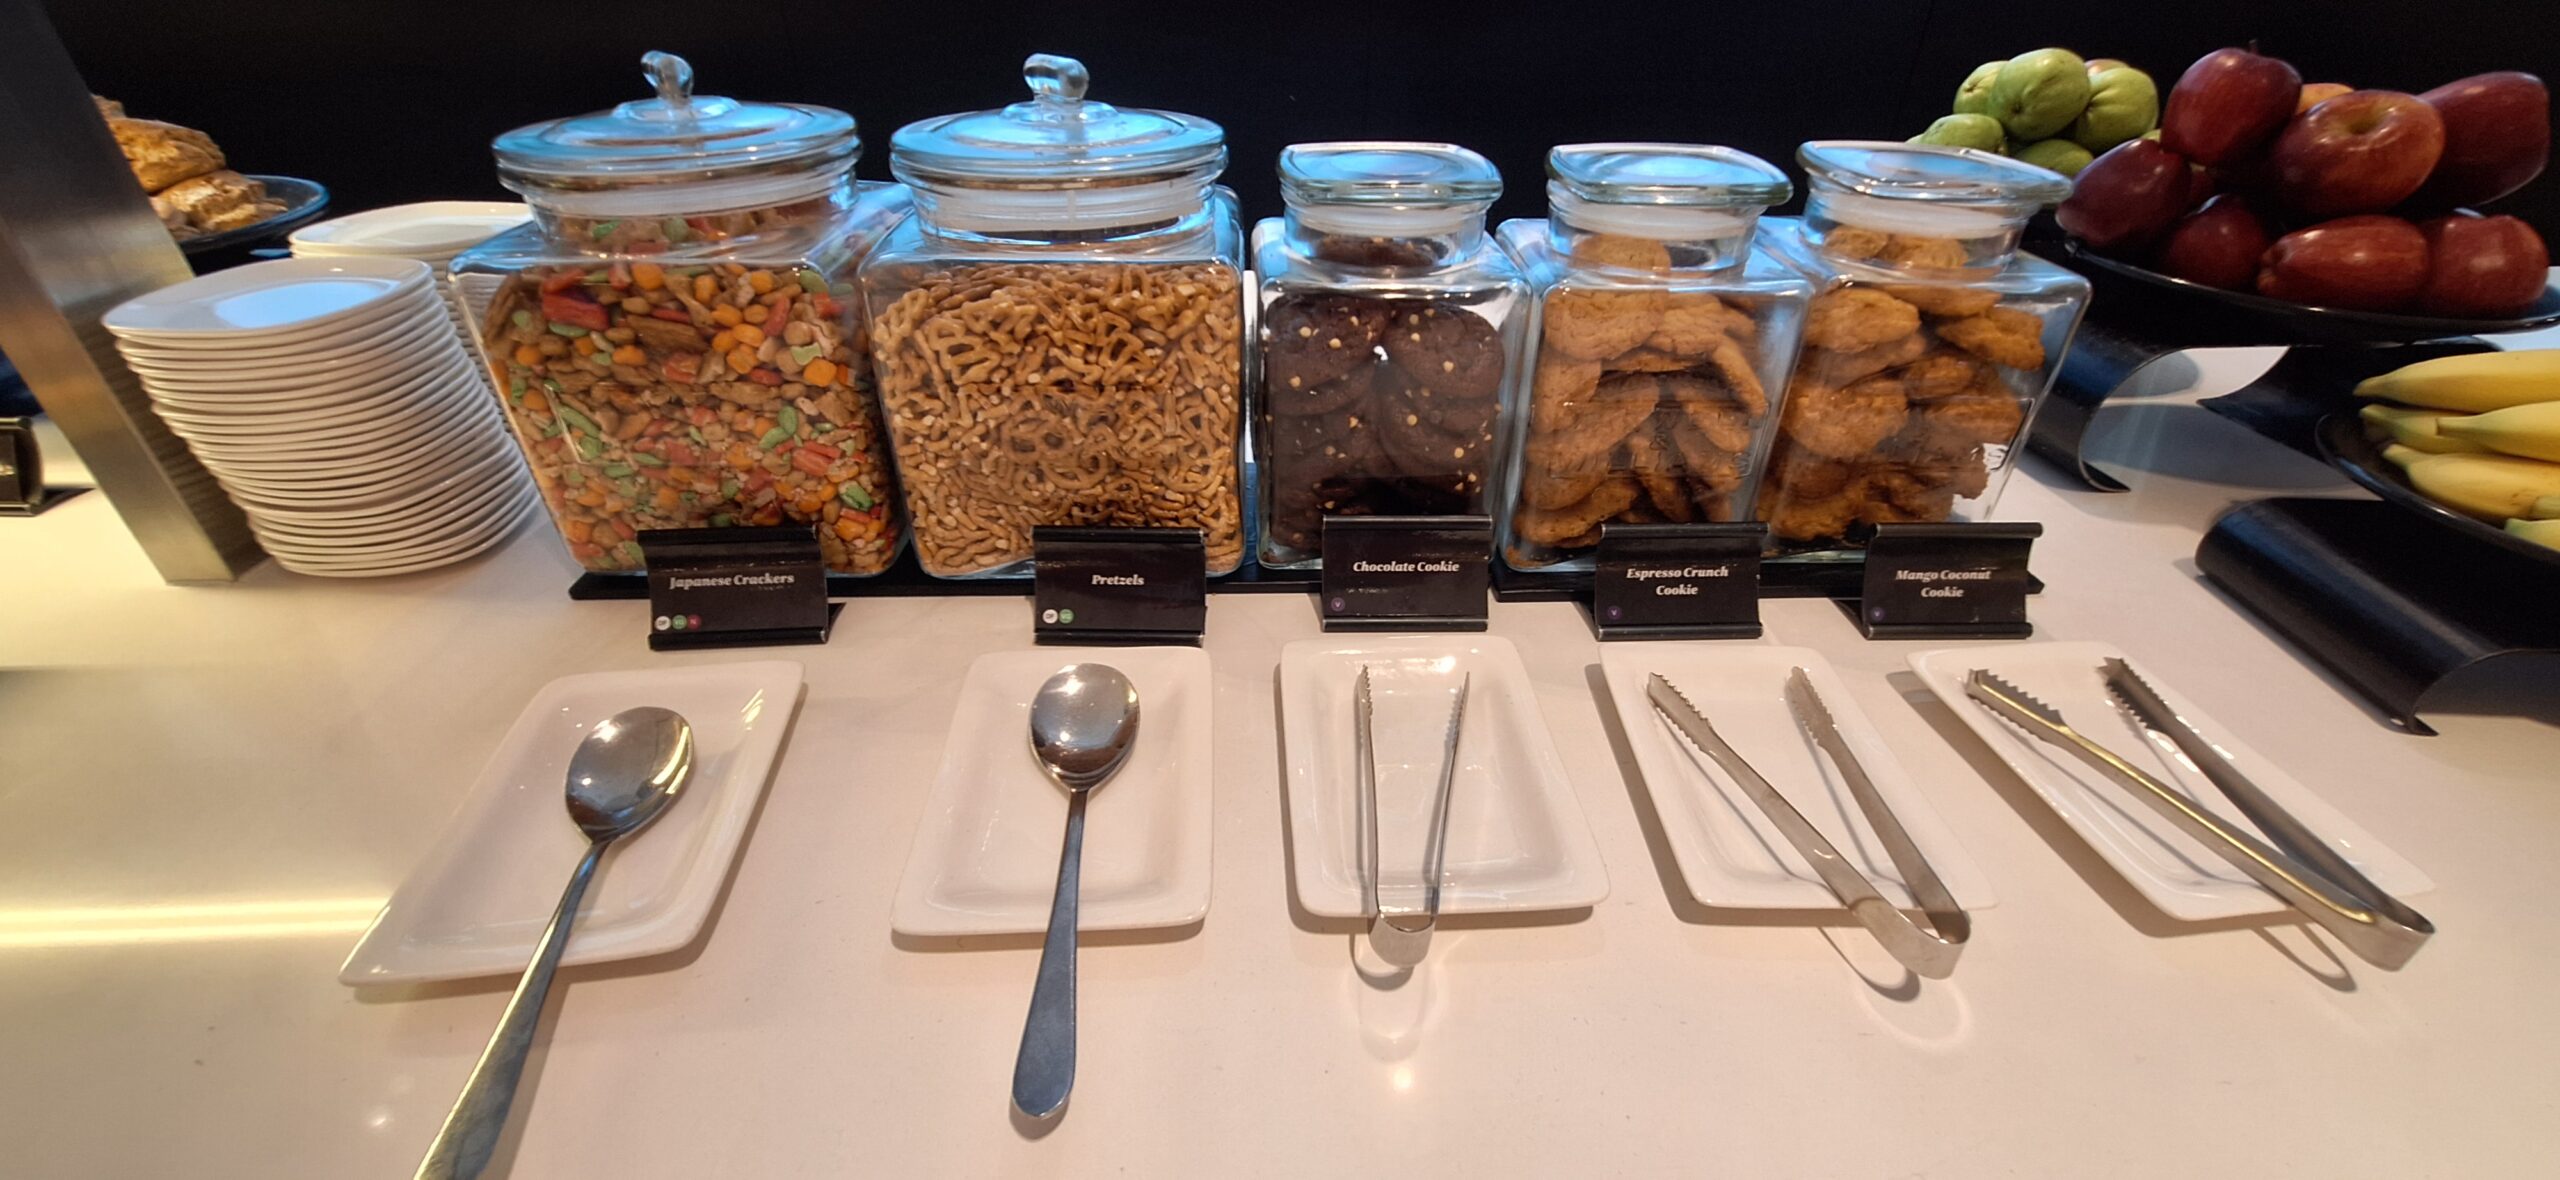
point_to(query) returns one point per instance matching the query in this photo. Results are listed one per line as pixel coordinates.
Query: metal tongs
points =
(2301, 868)
(1401, 934)
(1930, 953)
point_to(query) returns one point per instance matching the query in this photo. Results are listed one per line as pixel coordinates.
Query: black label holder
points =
(1406, 573)
(736, 587)
(1119, 585)
(1677, 581)
(1947, 581)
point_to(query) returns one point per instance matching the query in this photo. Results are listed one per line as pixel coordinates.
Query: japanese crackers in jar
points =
(1058, 331)
(676, 337)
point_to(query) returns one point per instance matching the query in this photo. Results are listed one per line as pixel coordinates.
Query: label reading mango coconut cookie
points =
(1948, 581)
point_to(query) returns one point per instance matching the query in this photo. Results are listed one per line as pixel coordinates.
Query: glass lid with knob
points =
(1059, 138)
(721, 152)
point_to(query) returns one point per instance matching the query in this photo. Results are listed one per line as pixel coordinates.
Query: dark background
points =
(389, 102)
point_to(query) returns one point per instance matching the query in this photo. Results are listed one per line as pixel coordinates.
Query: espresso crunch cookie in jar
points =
(676, 337)
(1927, 347)
(1057, 334)
(1662, 341)
(1390, 325)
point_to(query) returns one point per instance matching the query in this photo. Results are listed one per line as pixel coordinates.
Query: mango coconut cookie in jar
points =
(676, 337)
(1928, 346)
(1662, 345)
(1390, 324)
(1057, 333)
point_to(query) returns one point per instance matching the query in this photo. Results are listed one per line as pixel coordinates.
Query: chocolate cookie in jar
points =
(1662, 342)
(675, 337)
(1390, 324)
(1057, 333)
(1928, 346)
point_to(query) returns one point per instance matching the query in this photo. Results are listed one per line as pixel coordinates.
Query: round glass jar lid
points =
(1387, 173)
(1919, 172)
(1682, 174)
(676, 138)
(1058, 139)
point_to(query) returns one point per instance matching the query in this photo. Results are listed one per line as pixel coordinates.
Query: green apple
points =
(1971, 131)
(2123, 103)
(2100, 65)
(1974, 97)
(2038, 93)
(2061, 155)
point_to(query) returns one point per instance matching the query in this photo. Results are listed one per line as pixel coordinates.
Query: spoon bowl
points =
(1083, 722)
(628, 769)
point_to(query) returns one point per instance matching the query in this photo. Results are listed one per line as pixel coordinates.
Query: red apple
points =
(2314, 93)
(2497, 135)
(2370, 263)
(2123, 200)
(2218, 245)
(2361, 152)
(2202, 182)
(2228, 103)
(2482, 266)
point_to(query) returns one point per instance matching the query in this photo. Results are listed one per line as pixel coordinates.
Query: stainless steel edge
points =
(77, 237)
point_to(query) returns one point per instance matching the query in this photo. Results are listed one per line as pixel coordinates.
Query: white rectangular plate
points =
(985, 859)
(2184, 878)
(1517, 840)
(480, 900)
(1729, 853)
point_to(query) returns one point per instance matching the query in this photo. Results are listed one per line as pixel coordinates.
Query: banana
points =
(2474, 383)
(2546, 508)
(2540, 532)
(2491, 487)
(2417, 429)
(2532, 431)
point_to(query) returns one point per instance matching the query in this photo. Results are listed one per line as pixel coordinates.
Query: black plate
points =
(303, 200)
(2309, 324)
(2343, 443)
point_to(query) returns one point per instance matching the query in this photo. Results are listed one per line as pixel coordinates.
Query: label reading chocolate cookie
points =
(1119, 585)
(1678, 581)
(1948, 581)
(1406, 573)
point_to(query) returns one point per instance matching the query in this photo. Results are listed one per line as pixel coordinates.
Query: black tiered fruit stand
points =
(2394, 595)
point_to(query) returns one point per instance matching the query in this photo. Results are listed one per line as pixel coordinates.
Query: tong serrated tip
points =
(1657, 682)
(1983, 680)
(1809, 709)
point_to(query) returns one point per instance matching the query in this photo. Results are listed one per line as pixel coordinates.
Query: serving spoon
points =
(1083, 723)
(624, 774)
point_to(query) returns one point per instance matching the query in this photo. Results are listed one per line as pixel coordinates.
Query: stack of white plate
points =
(433, 232)
(331, 400)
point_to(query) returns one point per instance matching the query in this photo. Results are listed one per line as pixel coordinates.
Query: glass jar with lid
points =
(1390, 323)
(1662, 343)
(1057, 333)
(675, 337)
(1928, 346)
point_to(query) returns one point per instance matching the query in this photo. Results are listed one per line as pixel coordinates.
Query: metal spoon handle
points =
(1044, 1069)
(471, 1129)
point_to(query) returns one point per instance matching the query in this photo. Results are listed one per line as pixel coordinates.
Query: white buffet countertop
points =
(206, 793)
